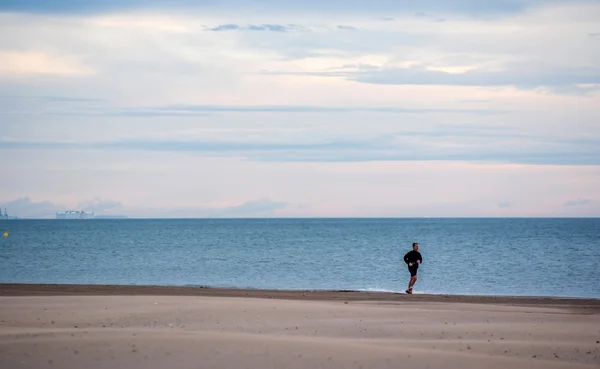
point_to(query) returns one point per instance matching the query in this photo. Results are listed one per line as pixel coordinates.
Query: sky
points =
(273, 108)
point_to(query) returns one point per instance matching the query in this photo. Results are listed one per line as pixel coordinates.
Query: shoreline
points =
(41, 289)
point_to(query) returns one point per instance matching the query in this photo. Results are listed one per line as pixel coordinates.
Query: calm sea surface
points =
(542, 257)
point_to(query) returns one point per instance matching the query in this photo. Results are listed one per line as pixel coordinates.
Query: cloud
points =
(504, 204)
(252, 27)
(225, 27)
(327, 109)
(473, 7)
(521, 76)
(210, 110)
(25, 208)
(454, 144)
(347, 28)
(97, 205)
(191, 109)
(20, 63)
(578, 202)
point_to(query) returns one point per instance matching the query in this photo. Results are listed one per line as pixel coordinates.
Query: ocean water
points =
(535, 257)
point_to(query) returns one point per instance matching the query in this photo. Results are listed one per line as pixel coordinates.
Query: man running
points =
(413, 259)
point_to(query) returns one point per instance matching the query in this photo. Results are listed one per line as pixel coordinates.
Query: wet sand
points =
(79, 326)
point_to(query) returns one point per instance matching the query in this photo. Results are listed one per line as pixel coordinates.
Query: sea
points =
(516, 256)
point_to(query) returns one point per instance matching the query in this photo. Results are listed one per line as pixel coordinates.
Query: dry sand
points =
(53, 326)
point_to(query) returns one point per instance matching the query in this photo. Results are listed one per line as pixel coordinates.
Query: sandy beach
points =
(78, 326)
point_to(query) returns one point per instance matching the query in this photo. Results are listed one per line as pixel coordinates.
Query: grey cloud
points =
(347, 28)
(225, 27)
(98, 205)
(481, 156)
(261, 27)
(594, 34)
(578, 202)
(209, 110)
(320, 109)
(504, 204)
(452, 145)
(25, 208)
(528, 77)
(522, 76)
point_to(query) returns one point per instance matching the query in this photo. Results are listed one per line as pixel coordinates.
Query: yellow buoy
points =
(5, 234)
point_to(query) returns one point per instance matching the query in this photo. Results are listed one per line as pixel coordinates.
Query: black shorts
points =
(413, 270)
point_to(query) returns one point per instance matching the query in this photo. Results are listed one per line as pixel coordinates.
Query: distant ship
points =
(75, 214)
(5, 216)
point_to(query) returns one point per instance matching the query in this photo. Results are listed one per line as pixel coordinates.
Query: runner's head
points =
(415, 246)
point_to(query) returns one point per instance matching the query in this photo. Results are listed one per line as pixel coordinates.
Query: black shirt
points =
(412, 257)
